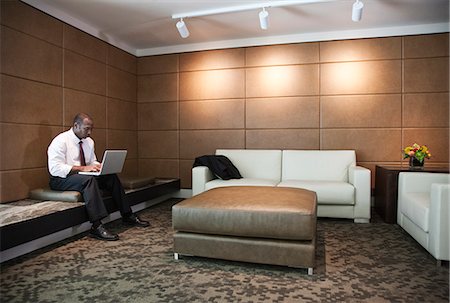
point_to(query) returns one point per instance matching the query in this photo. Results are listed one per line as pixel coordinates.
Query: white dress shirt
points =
(64, 153)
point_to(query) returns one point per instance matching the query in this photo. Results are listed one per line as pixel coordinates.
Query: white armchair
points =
(424, 212)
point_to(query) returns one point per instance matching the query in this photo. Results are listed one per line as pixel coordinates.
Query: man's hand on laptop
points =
(95, 167)
(92, 167)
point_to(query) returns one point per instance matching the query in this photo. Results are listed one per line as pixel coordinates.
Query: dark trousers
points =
(90, 187)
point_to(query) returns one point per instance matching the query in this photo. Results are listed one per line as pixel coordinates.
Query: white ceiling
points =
(146, 27)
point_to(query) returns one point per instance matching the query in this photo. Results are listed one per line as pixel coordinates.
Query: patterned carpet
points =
(374, 262)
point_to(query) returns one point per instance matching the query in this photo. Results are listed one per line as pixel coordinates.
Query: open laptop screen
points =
(112, 163)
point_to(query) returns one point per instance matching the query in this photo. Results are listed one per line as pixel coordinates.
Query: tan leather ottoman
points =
(269, 225)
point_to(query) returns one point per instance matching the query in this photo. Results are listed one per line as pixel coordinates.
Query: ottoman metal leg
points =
(310, 271)
(175, 256)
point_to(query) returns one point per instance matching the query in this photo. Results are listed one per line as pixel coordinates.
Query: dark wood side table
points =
(386, 187)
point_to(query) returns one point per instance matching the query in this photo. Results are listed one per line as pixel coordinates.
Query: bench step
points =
(47, 194)
(135, 182)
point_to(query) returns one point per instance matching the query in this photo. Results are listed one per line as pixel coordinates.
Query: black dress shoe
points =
(102, 233)
(135, 221)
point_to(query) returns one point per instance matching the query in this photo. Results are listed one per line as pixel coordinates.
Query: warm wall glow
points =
(361, 77)
(213, 84)
(348, 76)
(295, 80)
(276, 78)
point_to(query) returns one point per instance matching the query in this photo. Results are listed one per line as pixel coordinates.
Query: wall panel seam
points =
(32, 36)
(84, 91)
(29, 79)
(85, 56)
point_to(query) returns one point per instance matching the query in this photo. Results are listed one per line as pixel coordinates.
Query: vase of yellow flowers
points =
(417, 155)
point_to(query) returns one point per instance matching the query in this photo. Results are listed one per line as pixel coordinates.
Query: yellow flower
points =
(417, 151)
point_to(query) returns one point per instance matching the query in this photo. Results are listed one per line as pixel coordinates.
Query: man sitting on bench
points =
(73, 151)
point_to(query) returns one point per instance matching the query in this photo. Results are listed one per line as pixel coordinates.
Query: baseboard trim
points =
(183, 193)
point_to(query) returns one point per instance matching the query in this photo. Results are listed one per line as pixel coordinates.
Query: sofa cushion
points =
(259, 164)
(240, 182)
(417, 209)
(317, 165)
(328, 192)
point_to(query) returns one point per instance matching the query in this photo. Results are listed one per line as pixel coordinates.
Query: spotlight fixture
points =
(263, 15)
(182, 28)
(357, 11)
(264, 19)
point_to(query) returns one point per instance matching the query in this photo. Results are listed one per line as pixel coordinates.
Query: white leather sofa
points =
(343, 189)
(423, 210)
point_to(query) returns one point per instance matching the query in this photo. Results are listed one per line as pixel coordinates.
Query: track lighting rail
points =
(246, 7)
(263, 15)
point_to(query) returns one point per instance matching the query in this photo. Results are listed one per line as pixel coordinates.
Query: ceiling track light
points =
(264, 19)
(357, 11)
(182, 28)
(263, 15)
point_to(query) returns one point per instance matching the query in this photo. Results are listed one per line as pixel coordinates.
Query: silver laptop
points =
(112, 163)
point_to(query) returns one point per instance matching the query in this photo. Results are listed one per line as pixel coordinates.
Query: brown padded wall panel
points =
(83, 73)
(123, 139)
(76, 101)
(287, 54)
(158, 168)
(157, 116)
(215, 59)
(121, 60)
(426, 110)
(84, 44)
(424, 46)
(121, 114)
(213, 114)
(24, 101)
(24, 18)
(361, 49)
(365, 141)
(283, 139)
(121, 85)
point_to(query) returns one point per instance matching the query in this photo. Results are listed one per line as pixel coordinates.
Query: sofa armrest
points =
(359, 177)
(200, 176)
(439, 221)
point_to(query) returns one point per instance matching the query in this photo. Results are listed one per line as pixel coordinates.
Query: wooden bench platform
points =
(55, 216)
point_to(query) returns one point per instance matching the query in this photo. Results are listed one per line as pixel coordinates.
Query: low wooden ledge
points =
(21, 232)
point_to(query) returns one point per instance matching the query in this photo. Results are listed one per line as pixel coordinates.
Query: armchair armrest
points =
(359, 177)
(416, 182)
(419, 182)
(439, 245)
(200, 176)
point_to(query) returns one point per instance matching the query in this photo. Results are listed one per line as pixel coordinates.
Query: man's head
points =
(82, 125)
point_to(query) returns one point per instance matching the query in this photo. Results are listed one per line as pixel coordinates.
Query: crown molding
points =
(298, 38)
